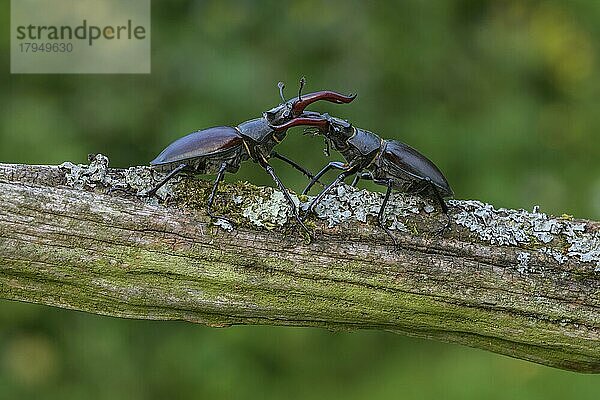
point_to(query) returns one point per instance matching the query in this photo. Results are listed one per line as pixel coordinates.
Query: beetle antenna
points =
(281, 85)
(302, 82)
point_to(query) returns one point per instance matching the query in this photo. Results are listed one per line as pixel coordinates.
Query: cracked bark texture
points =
(533, 295)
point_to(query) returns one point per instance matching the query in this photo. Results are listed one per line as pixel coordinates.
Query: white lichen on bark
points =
(97, 173)
(518, 227)
(81, 176)
(270, 212)
(344, 203)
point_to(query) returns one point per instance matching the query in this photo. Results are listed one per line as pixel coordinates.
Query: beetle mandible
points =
(390, 163)
(223, 148)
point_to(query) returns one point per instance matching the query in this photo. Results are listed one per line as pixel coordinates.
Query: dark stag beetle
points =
(222, 149)
(386, 162)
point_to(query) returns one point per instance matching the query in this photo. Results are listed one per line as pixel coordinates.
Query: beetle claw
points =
(444, 228)
(387, 231)
(304, 216)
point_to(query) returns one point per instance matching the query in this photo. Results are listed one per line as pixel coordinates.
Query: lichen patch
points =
(142, 179)
(518, 227)
(97, 174)
(346, 203)
(557, 255)
(523, 259)
(224, 224)
(270, 212)
(586, 247)
(82, 176)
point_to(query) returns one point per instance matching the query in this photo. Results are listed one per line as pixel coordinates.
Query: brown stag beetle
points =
(391, 163)
(222, 149)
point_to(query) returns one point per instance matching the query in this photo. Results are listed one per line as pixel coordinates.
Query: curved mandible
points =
(327, 95)
(317, 122)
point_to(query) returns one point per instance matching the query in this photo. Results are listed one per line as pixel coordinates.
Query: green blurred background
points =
(503, 95)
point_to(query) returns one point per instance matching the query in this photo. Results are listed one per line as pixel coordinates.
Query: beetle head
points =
(333, 128)
(317, 123)
(339, 127)
(295, 107)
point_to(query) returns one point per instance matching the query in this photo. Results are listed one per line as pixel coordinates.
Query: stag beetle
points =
(386, 162)
(222, 149)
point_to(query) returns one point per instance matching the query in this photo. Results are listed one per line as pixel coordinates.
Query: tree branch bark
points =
(521, 284)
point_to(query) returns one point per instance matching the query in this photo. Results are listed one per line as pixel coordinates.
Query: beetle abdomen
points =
(406, 163)
(206, 142)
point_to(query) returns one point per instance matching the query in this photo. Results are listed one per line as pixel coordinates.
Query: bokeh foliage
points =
(502, 95)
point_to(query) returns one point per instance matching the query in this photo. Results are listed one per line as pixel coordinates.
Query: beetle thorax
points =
(278, 115)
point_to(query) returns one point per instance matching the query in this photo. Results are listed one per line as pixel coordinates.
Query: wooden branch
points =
(513, 282)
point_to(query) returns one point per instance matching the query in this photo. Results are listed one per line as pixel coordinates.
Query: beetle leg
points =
(442, 204)
(213, 192)
(365, 175)
(347, 172)
(263, 163)
(388, 193)
(315, 179)
(167, 178)
(293, 164)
